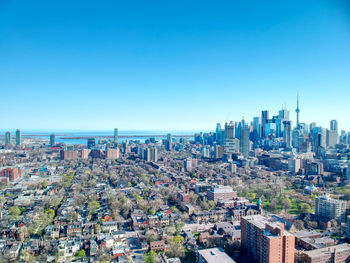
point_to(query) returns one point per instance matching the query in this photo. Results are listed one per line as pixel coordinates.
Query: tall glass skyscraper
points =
(18, 137)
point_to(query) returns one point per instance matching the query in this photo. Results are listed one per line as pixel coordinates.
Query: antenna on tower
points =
(297, 109)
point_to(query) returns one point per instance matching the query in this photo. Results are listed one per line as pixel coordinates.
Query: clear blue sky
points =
(174, 65)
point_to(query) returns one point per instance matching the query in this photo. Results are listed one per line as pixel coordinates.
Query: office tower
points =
(52, 140)
(205, 152)
(329, 208)
(348, 172)
(296, 134)
(244, 141)
(116, 135)
(334, 125)
(222, 193)
(169, 142)
(229, 130)
(319, 139)
(312, 126)
(7, 138)
(256, 129)
(264, 120)
(219, 135)
(283, 115)
(230, 140)
(297, 111)
(18, 137)
(270, 129)
(294, 165)
(218, 152)
(332, 138)
(266, 240)
(287, 133)
(91, 143)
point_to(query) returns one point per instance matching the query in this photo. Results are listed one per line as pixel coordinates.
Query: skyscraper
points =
(266, 240)
(256, 129)
(219, 134)
(229, 130)
(169, 142)
(230, 140)
(334, 125)
(264, 120)
(52, 140)
(116, 135)
(7, 138)
(287, 133)
(18, 137)
(244, 141)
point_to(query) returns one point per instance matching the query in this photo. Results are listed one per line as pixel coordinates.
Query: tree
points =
(81, 253)
(179, 226)
(211, 204)
(286, 203)
(93, 206)
(273, 205)
(14, 211)
(306, 208)
(50, 213)
(299, 224)
(44, 184)
(150, 257)
(177, 247)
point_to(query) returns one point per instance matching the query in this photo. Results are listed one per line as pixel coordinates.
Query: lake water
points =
(62, 134)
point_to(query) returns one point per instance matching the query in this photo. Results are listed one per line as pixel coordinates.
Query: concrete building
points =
(244, 144)
(266, 240)
(69, 155)
(150, 154)
(329, 208)
(190, 164)
(85, 154)
(294, 164)
(112, 154)
(213, 255)
(287, 133)
(11, 173)
(221, 193)
(333, 254)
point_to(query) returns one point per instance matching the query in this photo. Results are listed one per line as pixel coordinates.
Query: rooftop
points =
(213, 255)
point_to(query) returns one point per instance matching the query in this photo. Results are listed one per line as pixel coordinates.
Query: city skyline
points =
(143, 68)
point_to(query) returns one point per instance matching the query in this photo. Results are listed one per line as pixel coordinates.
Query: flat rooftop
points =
(327, 250)
(214, 255)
